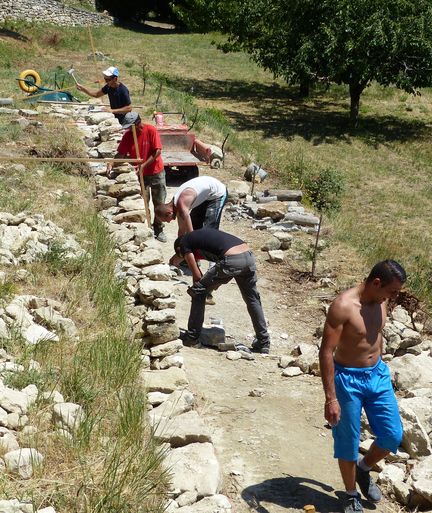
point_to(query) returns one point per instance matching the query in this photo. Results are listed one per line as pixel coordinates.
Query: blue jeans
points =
(209, 213)
(243, 269)
(369, 388)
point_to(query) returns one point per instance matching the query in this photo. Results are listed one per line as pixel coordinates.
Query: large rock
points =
(8, 441)
(107, 149)
(14, 506)
(14, 401)
(158, 272)
(161, 333)
(302, 219)
(422, 407)
(134, 216)
(274, 209)
(148, 257)
(148, 289)
(180, 401)
(213, 504)
(23, 461)
(285, 194)
(182, 430)
(421, 479)
(167, 349)
(36, 333)
(409, 371)
(401, 315)
(166, 315)
(415, 439)
(391, 475)
(194, 468)
(132, 204)
(94, 118)
(166, 381)
(68, 416)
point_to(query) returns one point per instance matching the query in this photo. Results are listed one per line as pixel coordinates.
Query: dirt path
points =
(275, 451)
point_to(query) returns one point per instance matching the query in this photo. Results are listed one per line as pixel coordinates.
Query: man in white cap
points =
(117, 92)
(152, 167)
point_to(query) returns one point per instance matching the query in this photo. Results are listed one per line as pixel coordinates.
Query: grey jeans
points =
(157, 185)
(243, 269)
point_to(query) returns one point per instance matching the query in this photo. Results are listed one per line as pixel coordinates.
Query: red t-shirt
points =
(148, 143)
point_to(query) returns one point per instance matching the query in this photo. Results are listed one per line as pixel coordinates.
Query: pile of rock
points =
(26, 238)
(277, 210)
(35, 319)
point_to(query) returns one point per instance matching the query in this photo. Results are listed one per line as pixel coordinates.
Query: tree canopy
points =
(342, 41)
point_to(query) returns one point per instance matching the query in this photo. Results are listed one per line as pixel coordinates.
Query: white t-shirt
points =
(206, 188)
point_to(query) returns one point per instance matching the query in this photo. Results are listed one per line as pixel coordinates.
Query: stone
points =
(174, 360)
(156, 398)
(233, 355)
(276, 210)
(292, 372)
(181, 430)
(148, 257)
(285, 194)
(422, 407)
(13, 505)
(36, 333)
(308, 358)
(177, 403)
(68, 416)
(391, 475)
(277, 256)
(19, 313)
(53, 396)
(401, 315)
(152, 289)
(49, 509)
(257, 392)
(161, 333)
(165, 302)
(14, 401)
(421, 479)
(186, 499)
(285, 361)
(285, 239)
(165, 381)
(23, 461)
(167, 315)
(238, 188)
(302, 219)
(133, 216)
(402, 492)
(104, 202)
(166, 349)
(415, 439)
(122, 235)
(131, 204)
(158, 272)
(410, 372)
(272, 244)
(213, 504)
(194, 468)
(107, 149)
(121, 190)
(4, 330)
(8, 441)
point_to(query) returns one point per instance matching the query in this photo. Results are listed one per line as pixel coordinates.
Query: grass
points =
(112, 463)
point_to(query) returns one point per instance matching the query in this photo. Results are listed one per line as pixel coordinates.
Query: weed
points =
(7, 290)
(58, 259)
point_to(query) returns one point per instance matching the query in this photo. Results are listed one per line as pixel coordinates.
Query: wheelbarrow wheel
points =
(29, 81)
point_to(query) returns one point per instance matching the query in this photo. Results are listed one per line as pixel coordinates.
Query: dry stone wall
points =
(50, 11)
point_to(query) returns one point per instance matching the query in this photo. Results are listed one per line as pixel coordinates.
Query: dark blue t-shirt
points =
(118, 98)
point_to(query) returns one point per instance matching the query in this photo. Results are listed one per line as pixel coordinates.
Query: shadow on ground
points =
(291, 492)
(12, 34)
(277, 111)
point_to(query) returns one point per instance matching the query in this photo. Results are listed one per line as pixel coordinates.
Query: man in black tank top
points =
(233, 259)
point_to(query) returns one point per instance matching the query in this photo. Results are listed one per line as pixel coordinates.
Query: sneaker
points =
(257, 347)
(352, 504)
(161, 237)
(210, 300)
(187, 340)
(367, 485)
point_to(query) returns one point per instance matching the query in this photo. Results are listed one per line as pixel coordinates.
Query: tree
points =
(324, 191)
(342, 41)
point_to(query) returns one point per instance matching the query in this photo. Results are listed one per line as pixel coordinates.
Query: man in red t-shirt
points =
(150, 149)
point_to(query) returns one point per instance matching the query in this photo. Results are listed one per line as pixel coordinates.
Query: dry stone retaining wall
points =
(50, 11)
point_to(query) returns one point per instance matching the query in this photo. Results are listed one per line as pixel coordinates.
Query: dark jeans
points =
(157, 185)
(243, 269)
(209, 213)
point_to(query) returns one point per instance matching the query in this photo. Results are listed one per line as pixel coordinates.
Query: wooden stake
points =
(141, 178)
(94, 53)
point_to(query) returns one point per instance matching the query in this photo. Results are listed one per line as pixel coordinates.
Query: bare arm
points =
(184, 202)
(94, 94)
(333, 328)
(193, 266)
(120, 110)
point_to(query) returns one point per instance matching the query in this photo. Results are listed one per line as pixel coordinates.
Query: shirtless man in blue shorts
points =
(355, 377)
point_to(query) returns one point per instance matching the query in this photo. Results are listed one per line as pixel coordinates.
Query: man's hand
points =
(175, 260)
(79, 87)
(109, 169)
(106, 109)
(332, 412)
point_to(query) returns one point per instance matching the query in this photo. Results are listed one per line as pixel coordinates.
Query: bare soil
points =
(275, 450)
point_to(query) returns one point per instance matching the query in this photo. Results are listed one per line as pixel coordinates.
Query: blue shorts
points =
(369, 388)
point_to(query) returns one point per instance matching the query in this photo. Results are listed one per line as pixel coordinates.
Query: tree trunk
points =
(304, 88)
(315, 251)
(356, 90)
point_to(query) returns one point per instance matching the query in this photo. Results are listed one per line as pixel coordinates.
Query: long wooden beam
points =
(67, 159)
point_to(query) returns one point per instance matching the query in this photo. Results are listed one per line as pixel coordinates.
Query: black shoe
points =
(187, 340)
(258, 347)
(352, 504)
(367, 485)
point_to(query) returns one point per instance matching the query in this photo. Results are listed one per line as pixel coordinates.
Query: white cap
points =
(111, 72)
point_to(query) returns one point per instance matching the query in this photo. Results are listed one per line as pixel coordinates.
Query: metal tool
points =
(71, 73)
